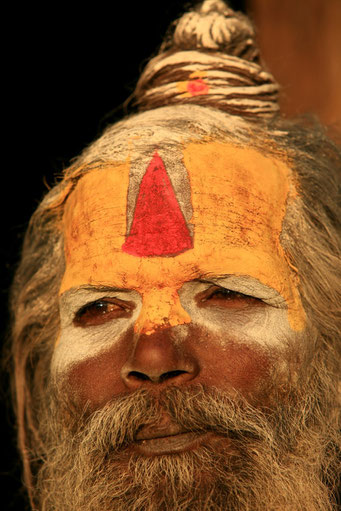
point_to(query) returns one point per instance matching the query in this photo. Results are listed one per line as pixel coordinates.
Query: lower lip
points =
(170, 444)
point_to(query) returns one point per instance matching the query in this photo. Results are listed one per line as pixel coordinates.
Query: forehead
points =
(232, 201)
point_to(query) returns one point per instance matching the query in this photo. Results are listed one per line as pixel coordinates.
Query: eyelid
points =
(87, 316)
(217, 287)
(74, 299)
(108, 299)
(87, 306)
(273, 300)
(225, 288)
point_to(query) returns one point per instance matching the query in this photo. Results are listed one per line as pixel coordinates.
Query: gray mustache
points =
(193, 409)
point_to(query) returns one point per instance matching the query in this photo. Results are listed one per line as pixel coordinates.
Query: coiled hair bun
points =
(211, 59)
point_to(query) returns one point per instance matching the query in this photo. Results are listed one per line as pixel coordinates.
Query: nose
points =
(161, 307)
(159, 358)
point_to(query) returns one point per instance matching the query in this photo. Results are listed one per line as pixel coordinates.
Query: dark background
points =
(65, 75)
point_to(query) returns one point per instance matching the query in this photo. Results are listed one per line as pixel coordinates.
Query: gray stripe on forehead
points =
(140, 134)
(173, 161)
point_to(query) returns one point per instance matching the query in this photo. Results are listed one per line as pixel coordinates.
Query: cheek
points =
(233, 366)
(97, 380)
(229, 365)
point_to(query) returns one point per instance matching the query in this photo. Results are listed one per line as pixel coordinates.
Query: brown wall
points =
(300, 42)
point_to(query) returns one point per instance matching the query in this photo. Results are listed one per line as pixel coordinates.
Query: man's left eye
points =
(102, 311)
(221, 297)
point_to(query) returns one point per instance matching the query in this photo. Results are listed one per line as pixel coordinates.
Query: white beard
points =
(275, 462)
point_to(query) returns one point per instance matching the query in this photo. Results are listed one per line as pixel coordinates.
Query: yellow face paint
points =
(239, 201)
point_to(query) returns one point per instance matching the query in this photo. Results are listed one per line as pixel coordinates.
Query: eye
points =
(102, 311)
(221, 297)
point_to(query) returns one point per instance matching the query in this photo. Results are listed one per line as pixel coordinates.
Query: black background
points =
(65, 74)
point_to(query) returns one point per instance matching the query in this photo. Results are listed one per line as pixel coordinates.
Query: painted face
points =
(175, 275)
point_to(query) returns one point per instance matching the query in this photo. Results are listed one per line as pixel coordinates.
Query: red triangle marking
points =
(159, 227)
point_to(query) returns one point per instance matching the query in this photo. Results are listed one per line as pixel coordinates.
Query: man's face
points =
(176, 280)
(216, 304)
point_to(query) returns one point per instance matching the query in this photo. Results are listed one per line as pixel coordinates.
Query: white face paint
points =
(265, 324)
(75, 343)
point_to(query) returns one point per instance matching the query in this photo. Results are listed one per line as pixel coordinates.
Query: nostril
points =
(139, 376)
(169, 375)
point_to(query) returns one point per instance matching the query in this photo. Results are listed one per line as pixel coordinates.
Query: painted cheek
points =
(228, 365)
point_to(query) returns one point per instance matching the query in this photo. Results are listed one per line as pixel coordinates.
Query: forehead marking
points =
(159, 227)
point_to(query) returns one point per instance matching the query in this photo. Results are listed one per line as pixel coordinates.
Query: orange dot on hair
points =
(197, 87)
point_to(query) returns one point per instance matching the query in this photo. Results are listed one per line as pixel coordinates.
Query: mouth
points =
(167, 439)
(165, 428)
(170, 444)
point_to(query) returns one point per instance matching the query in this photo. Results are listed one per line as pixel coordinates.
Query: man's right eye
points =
(102, 311)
